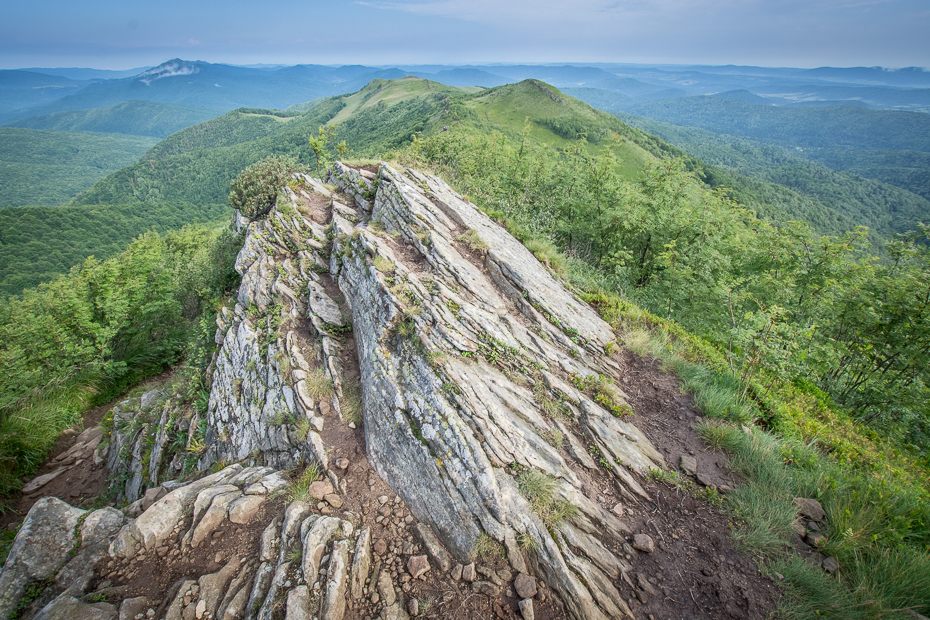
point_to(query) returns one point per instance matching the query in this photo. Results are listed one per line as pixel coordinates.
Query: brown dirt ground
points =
(83, 483)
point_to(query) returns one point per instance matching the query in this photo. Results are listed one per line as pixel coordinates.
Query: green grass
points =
(319, 386)
(877, 532)
(472, 241)
(351, 403)
(383, 264)
(487, 550)
(299, 488)
(540, 490)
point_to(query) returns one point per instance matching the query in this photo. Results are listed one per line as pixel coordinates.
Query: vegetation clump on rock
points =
(256, 188)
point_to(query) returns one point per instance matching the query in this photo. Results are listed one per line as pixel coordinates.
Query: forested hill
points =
(850, 198)
(197, 163)
(136, 117)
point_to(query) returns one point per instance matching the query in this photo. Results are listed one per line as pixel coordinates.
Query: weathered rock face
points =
(465, 341)
(43, 542)
(275, 337)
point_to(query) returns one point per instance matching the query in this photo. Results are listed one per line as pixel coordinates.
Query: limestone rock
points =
(97, 532)
(320, 489)
(433, 547)
(132, 606)
(314, 543)
(386, 588)
(69, 608)
(215, 515)
(688, 464)
(271, 540)
(487, 588)
(469, 573)
(158, 522)
(644, 542)
(526, 609)
(525, 586)
(334, 604)
(810, 508)
(213, 586)
(40, 481)
(244, 509)
(294, 516)
(361, 563)
(417, 565)
(491, 315)
(298, 604)
(394, 611)
(46, 536)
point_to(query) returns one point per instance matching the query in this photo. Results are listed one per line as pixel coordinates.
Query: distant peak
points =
(170, 68)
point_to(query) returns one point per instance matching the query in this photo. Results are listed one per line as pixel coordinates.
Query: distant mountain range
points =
(34, 92)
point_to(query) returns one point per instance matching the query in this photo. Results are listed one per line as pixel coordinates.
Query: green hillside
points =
(38, 244)
(846, 126)
(40, 167)
(138, 118)
(242, 125)
(837, 200)
(907, 169)
(198, 163)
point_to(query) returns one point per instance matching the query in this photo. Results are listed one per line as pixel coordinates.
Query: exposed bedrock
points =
(472, 357)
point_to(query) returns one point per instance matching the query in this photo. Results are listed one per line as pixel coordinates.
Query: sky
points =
(124, 34)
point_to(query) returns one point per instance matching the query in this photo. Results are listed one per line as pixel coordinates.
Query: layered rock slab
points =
(464, 341)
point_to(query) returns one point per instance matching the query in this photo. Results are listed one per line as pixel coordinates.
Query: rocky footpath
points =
(409, 415)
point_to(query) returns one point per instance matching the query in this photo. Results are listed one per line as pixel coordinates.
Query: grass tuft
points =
(351, 403)
(487, 550)
(319, 386)
(299, 488)
(383, 264)
(472, 241)
(540, 490)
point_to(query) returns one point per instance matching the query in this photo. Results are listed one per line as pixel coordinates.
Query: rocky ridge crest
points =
(394, 336)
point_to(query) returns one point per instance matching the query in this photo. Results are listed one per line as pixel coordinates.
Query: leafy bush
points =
(85, 337)
(255, 190)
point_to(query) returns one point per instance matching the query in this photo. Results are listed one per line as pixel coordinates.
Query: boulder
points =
(244, 509)
(44, 540)
(361, 564)
(298, 604)
(810, 508)
(433, 547)
(69, 608)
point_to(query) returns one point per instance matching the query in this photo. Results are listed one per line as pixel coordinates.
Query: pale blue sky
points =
(799, 33)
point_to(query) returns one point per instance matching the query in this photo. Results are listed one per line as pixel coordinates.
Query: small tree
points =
(255, 190)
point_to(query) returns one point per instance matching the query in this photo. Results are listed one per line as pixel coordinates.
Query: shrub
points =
(255, 190)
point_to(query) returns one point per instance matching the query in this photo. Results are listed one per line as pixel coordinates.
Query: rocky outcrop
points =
(278, 372)
(469, 350)
(486, 394)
